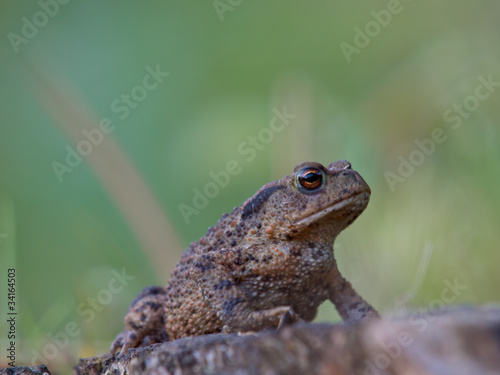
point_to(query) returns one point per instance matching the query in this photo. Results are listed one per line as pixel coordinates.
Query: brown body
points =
(267, 263)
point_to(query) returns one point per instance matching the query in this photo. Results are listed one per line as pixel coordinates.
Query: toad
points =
(267, 263)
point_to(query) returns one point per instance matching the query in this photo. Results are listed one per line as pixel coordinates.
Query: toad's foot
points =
(278, 317)
(144, 322)
(289, 317)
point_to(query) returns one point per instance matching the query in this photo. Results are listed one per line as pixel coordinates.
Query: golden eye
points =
(310, 179)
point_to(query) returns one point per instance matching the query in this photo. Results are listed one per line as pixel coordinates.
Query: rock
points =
(456, 341)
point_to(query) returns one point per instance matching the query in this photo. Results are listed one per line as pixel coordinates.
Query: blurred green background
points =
(230, 65)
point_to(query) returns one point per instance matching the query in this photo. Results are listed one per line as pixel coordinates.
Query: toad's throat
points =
(355, 203)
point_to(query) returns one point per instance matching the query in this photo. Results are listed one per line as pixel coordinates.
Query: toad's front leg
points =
(350, 305)
(220, 282)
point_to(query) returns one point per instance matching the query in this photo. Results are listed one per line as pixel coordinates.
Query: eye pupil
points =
(310, 178)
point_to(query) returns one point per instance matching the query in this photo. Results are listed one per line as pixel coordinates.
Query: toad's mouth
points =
(354, 204)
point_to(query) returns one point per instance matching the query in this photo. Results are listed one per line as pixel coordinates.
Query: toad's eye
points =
(309, 179)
